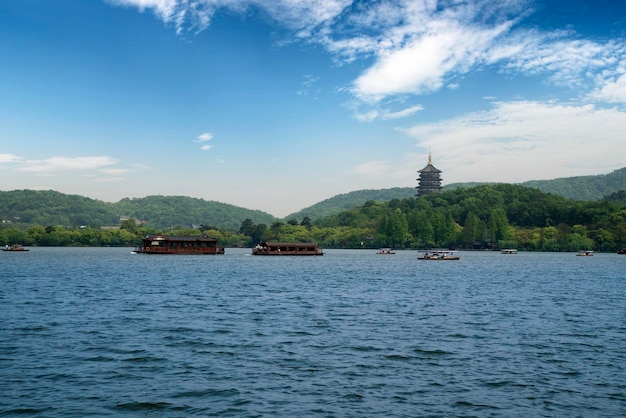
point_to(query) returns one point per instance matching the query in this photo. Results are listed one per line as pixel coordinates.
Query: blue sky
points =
(279, 104)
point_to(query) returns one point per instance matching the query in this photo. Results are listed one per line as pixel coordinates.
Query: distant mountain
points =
(51, 208)
(351, 200)
(577, 188)
(48, 207)
(583, 187)
(166, 211)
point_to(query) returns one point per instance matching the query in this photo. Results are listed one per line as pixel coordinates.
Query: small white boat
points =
(508, 251)
(584, 253)
(386, 251)
(14, 247)
(439, 255)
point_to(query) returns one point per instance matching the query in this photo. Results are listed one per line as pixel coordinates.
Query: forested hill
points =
(166, 211)
(583, 187)
(51, 208)
(588, 188)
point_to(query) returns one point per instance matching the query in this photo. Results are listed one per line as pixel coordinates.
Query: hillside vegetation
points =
(167, 211)
(48, 207)
(577, 188)
(484, 217)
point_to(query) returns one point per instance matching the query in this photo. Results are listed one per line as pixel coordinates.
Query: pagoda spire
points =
(430, 157)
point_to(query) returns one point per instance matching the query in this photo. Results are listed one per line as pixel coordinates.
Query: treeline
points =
(483, 217)
(586, 188)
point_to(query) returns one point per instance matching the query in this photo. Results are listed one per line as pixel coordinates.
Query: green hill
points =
(166, 211)
(351, 200)
(589, 188)
(49, 207)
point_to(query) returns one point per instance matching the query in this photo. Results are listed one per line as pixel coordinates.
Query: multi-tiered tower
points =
(429, 179)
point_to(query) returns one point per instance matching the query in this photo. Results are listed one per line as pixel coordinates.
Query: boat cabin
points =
(439, 255)
(162, 244)
(286, 248)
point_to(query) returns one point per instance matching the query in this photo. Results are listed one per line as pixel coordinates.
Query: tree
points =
(306, 222)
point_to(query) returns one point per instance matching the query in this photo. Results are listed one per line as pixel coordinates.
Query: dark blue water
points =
(106, 332)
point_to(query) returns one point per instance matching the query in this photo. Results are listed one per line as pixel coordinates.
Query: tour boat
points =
(189, 245)
(439, 255)
(585, 253)
(508, 251)
(286, 248)
(386, 251)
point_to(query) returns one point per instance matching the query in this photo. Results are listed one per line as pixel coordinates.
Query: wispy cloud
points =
(307, 84)
(54, 164)
(387, 114)
(612, 90)
(202, 139)
(418, 47)
(9, 158)
(526, 140)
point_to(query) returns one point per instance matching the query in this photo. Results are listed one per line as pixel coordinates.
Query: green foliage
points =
(484, 216)
(31, 207)
(583, 187)
(47, 207)
(588, 188)
(352, 200)
(167, 211)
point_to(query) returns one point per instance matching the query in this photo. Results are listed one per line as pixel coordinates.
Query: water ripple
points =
(102, 332)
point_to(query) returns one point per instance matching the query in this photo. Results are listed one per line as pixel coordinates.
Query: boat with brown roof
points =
(188, 245)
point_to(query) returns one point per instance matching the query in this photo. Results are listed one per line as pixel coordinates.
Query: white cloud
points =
(54, 164)
(309, 81)
(204, 137)
(418, 47)
(402, 113)
(421, 65)
(613, 91)
(520, 141)
(303, 16)
(9, 158)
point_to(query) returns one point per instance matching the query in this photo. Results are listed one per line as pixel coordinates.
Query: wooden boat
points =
(584, 253)
(508, 251)
(386, 251)
(439, 255)
(161, 244)
(15, 247)
(286, 248)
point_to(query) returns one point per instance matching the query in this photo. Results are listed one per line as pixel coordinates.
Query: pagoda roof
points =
(429, 169)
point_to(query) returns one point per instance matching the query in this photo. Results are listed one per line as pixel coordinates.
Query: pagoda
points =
(429, 179)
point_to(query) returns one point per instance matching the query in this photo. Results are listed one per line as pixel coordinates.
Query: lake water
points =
(101, 331)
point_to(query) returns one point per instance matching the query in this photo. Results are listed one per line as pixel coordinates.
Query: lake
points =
(101, 331)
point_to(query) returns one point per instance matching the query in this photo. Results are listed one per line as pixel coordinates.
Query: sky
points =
(279, 104)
